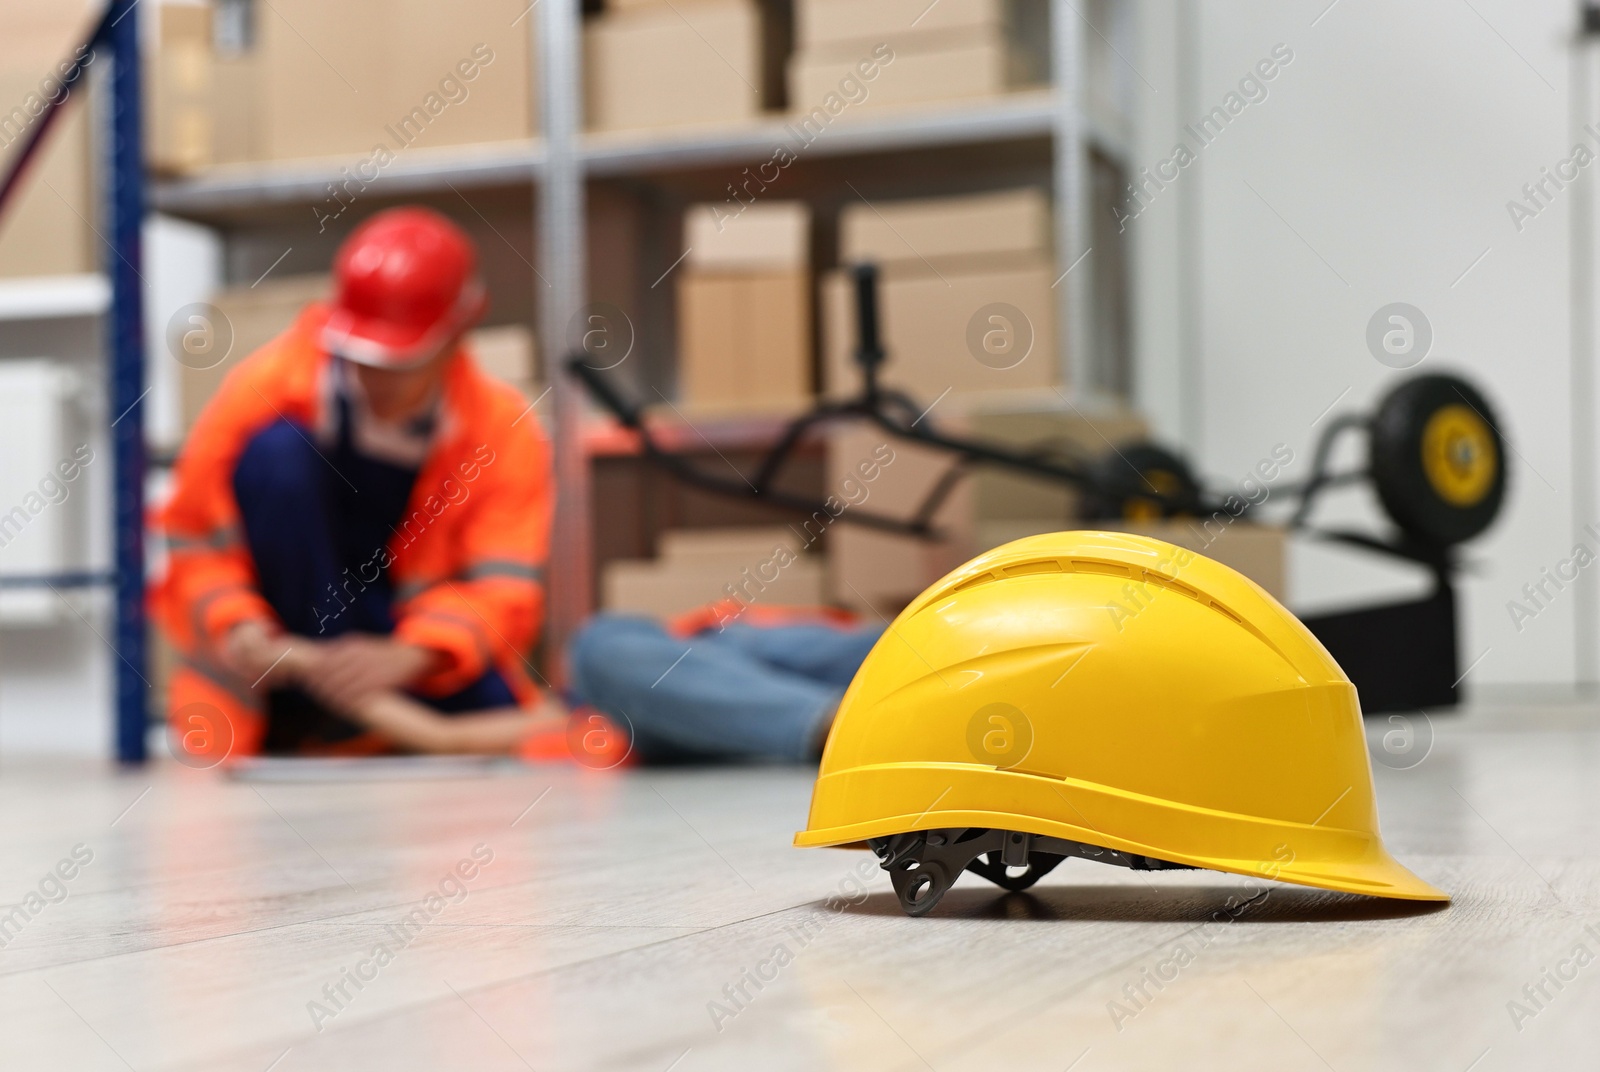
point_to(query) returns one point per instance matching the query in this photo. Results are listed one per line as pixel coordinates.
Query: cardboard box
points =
(744, 339)
(881, 572)
(723, 548)
(650, 589)
(698, 567)
(1260, 552)
(256, 315)
(324, 79)
(47, 228)
(833, 22)
(179, 76)
(505, 352)
(684, 63)
(508, 352)
(236, 109)
(38, 33)
(342, 79)
(1003, 494)
(766, 236)
(433, 42)
(915, 51)
(961, 331)
(998, 532)
(946, 230)
(955, 70)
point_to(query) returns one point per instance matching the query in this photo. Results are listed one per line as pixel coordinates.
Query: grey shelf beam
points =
(235, 189)
(1010, 118)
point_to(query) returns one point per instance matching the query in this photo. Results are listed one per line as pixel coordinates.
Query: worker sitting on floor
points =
(360, 513)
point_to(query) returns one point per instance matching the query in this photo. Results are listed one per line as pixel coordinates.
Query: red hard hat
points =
(405, 281)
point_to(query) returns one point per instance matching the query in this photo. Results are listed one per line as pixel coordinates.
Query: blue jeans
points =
(748, 692)
(313, 522)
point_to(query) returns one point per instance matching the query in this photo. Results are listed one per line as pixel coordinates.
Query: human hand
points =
(348, 670)
(255, 651)
(417, 728)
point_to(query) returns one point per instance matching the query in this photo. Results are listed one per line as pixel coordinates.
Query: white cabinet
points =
(43, 483)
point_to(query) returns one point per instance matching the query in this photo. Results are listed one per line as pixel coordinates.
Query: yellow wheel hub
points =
(1162, 483)
(1458, 455)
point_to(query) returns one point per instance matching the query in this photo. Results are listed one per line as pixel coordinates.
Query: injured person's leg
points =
(744, 692)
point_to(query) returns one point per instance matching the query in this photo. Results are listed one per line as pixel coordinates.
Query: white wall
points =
(1381, 163)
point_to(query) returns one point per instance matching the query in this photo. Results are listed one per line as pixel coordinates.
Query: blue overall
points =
(316, 522)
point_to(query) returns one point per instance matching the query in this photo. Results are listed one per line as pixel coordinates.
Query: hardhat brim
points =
(1371, 871)
(379, 343)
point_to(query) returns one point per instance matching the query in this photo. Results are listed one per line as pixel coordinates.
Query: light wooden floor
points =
(617, 908)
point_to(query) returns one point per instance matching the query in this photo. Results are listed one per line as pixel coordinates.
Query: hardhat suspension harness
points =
(923, 865)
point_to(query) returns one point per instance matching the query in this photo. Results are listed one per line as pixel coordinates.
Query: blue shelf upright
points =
(125, 334)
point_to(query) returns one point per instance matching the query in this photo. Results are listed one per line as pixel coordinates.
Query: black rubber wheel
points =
(1142, 482)
(1438, 460)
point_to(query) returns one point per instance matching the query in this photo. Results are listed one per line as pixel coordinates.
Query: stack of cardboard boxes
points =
(698, 567)
(356, 77)
(367, 79)
(744, 308)
(967, 315)
(965, 297)
(916, 51)
(665, 63)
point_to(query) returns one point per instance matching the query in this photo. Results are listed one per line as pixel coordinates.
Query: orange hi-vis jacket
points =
(466, 562)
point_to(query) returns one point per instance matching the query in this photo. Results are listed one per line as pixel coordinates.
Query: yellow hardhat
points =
(1108, 696)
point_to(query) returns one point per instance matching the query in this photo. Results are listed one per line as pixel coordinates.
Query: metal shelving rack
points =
(116, 33)
(568, 159)
(561, 163)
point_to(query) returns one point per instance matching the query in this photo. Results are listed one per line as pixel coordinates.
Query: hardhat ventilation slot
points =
(1177, 586)
(1219, 607)
(1023, 569)
(1110, 569)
